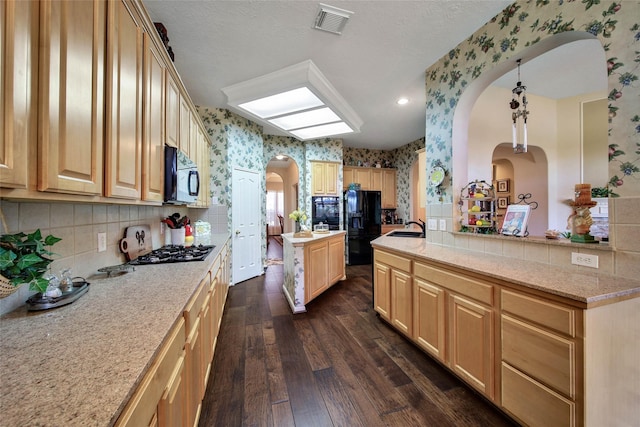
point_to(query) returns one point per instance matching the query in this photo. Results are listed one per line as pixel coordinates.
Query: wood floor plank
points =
(282, 415)
(257, 404)
(275, 375)
(224, 398)
(337, 398)
(381, 359)
(312, 348)
(379, 391)
(307, 405)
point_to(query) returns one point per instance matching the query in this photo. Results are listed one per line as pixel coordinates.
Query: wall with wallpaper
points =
(514, 31)
(453, 83)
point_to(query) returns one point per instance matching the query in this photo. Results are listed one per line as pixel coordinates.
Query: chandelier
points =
(519, 99)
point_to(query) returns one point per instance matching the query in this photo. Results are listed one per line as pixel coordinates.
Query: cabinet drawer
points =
(533, 403)
(544, 356)
(195, 304)
(467, 286)
(394, 261)
(552, 316)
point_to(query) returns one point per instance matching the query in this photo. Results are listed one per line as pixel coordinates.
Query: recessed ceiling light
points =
(402, 101)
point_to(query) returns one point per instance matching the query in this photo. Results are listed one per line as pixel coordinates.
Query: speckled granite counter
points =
(79, 364)
(589, 289)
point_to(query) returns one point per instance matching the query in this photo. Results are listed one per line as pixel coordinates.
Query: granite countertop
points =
(79, 364)
(301, 241)
(586, 288)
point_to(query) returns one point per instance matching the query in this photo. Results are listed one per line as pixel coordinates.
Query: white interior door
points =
(246, 225)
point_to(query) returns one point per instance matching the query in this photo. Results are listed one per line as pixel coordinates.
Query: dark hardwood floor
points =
(336, 365)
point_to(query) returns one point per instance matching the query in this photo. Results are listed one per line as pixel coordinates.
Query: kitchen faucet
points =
(419, 224)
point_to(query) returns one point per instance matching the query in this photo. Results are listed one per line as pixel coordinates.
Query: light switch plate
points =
(584, 259)
(443, 225)
(432, 224)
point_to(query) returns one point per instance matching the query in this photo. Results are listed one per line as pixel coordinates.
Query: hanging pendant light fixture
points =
(519, 99)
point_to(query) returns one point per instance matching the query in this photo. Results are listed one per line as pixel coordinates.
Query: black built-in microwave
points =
(181, 178)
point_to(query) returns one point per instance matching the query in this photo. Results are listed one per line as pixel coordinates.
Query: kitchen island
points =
(547, 345)
(311, 266)
(84, 363)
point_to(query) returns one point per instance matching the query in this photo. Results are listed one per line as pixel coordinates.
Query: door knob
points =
(237, 232)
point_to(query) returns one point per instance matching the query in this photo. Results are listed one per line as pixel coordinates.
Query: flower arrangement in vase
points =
(298, 216)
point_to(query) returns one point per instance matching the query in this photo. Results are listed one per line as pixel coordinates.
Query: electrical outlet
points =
(102, 242)
(584, 259)
(443, 224)
(432, 224)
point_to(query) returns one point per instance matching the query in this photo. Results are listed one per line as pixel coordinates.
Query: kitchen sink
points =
(402, 233)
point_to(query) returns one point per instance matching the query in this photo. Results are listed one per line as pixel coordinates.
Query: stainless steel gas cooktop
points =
(172, 253)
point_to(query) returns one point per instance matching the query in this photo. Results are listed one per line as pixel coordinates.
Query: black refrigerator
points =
(362, 220)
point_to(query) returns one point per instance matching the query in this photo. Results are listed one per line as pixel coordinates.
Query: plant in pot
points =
(24, 259)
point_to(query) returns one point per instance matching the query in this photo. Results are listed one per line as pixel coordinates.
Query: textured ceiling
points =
(381, 55)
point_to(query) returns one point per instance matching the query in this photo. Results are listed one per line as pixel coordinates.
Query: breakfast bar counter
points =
(548, 345)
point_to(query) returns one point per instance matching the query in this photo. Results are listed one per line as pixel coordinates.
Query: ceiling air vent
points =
(331, 19)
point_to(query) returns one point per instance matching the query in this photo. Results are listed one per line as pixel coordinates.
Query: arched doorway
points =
(282, 196)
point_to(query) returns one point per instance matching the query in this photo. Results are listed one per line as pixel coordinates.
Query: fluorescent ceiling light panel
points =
(283, 103)
(261, 100)
(322, 131)
(306, 119)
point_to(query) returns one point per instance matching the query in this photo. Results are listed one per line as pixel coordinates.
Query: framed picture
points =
(515, 220)
(503, 186)
(503, 202)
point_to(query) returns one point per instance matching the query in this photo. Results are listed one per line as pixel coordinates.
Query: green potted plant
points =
(24, 259)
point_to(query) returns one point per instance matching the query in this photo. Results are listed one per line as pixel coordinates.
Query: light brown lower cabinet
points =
(324, 265)
(142, 409)
(429, 318)
(392, 290)
(172, 390)
(457, 323)
(542, 359)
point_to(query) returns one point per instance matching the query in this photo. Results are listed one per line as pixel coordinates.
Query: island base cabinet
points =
(472, 343)
(318, 275)
(532, 403)
(429, 318)
(382, 290)
(323, 265)
(402, 302)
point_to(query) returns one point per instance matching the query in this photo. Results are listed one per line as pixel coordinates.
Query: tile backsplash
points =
(78, 225)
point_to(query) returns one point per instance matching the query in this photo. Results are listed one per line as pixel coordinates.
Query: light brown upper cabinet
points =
(71, 96)
(153, 133)
(172, 111)
(389, 188)
(324, 179)
(185, 125)
(124, 103)
(18, 74)
(373, 179)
